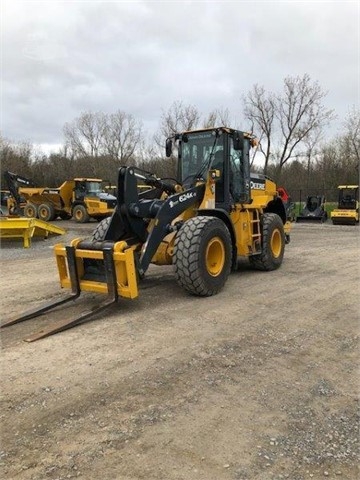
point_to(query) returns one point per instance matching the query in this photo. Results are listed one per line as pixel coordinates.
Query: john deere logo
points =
(257, 186)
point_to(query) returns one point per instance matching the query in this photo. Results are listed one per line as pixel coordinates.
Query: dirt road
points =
(258, 382)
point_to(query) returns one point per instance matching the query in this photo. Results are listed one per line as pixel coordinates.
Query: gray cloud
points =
(62, 58)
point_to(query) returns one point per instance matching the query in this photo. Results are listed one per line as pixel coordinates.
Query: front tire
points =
(98, 234)
(80, 214)
(202, 255)
(273, 244)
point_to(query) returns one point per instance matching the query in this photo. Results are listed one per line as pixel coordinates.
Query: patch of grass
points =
(329, 206)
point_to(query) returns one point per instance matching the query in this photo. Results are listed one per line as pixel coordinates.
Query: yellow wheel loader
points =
(201, 223)
(347, 212)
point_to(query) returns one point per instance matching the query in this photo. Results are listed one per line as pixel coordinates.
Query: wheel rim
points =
(215, 256)
(43, 213)
(78, 215)
(30, 212)
(276, 243)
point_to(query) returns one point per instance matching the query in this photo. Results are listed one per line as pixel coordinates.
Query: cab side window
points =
(236, 173)
(218, 164)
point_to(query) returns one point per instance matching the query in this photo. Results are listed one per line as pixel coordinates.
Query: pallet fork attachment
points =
(65, 324)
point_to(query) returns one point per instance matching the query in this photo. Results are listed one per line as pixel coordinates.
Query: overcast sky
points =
(61, 58)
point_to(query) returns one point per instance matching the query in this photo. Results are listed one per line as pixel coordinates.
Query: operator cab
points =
(87, 188)
(222, 149)
(91, 188)
(347, 197)
(313, 203)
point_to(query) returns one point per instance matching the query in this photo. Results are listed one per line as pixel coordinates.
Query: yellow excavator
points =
(201, 223)
(14, 201)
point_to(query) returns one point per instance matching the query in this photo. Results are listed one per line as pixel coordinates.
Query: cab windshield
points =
(93, 188)
(195, 153)
(348, 198)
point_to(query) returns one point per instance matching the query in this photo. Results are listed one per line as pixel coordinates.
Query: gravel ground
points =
(259, 382)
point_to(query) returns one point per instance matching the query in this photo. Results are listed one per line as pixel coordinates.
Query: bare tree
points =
(146, 152)
(177, 118)
(312, 148)
(84, 135)
(217, 117)
(98, 142)
(121, 138)
(352, 134)
(259, 110)
(16, 158)
(286, 120)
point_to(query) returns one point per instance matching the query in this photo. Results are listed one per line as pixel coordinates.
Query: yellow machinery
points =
(347, 212)
(15, 203)
(201, 223)
(81, 198)
(26, 228)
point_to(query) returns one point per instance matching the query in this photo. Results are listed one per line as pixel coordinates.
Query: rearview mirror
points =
(238, 140)
(168, 147)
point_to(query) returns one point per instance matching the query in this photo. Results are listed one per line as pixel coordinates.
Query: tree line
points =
(289, 124)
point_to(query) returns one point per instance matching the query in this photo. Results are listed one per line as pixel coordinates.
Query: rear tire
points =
(80, 214)
(202, 255)
(273, 244)
(46, 212)
(30, 210)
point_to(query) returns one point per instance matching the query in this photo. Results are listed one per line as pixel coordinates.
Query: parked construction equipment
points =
(15, 202)
(201, 223)
(80, 198)
(347, 212)
(314, 210)
(26, 228)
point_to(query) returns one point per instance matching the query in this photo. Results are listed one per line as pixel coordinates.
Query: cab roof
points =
(210, 129)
